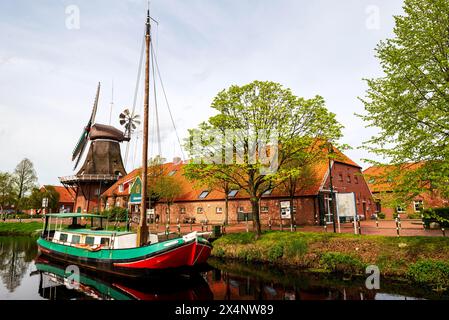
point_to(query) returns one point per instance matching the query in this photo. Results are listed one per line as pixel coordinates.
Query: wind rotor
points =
(129, 121)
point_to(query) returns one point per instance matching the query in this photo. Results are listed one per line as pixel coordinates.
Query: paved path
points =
(385, 228)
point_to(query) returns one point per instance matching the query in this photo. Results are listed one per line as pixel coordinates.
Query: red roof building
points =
(311, 204)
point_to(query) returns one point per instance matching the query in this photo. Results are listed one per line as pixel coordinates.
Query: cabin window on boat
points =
(75, 239)
(63, 237)
(105, 241)
(90, 240)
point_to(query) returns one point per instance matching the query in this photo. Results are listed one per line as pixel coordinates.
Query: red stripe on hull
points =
(188, 255)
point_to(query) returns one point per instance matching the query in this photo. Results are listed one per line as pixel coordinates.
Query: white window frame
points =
(219, 210)
(419, 202)
(121, 188)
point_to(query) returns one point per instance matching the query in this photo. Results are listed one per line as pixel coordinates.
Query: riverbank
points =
(20, 228)
(423, 260)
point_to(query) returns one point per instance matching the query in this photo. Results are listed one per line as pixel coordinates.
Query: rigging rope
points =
(136, 91)
(158, 133)
(166, 101)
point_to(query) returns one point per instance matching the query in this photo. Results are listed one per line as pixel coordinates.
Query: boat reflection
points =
(56, 284)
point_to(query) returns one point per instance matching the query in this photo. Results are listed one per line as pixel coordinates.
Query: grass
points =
(20, 228)
(418, 259)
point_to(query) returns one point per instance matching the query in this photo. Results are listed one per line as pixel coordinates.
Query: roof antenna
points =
(112, 102)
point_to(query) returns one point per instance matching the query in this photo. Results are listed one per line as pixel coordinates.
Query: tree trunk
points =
(256, 220)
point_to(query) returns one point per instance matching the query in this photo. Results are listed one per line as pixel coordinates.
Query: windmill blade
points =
(94, 111)
(83, 147)
(126, 112)
(122, 116)
(137, 122)
(134, 126)
(122, 122)
(82, 140)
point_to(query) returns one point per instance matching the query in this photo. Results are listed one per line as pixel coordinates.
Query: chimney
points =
(177, 160)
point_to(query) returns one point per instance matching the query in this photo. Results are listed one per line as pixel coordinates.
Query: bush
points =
(116, 214)
(430, 272)
(440, 215)
(381, 215)
(275, 252)
(416, 215)
(339, 262)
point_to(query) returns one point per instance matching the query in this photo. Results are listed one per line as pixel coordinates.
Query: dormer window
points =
(268, 192)
(121, 188)
(204, 194)
(172, 173)
(232, 193)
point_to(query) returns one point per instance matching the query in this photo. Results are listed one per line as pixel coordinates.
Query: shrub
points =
(339, 262)
(275, 252)
(295, 247)
(440, 215)
(430, 272)
(416, 215)
(381, 215)
(116, 214)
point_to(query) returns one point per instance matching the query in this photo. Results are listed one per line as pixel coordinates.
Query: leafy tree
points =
(24, 178)
(167, 190)
(410, 102)
(257, 112)
(37, 195)
(7, 190)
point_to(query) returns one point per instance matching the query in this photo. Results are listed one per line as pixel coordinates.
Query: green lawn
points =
(421, 259)
(20, 228)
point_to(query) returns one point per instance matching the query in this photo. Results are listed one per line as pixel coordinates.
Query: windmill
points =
(103, 164)
(129, 121)
(82, 142)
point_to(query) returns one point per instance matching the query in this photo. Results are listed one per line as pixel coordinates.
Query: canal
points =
(25, 276)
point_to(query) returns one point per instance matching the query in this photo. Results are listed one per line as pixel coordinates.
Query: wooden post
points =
(422, 221)
(246, 219)
(377, 222)
(444, 233)
(359, 225)
(325, 227)
(142, 230)
(269, 223)
(397, 226)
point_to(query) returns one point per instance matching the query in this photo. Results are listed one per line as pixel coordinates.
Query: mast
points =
(142, 231)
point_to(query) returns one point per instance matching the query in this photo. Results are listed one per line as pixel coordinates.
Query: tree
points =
(37, 195)
(167, 190)
(410, 102)
(24, 178)
(265, 127)
(7, 191)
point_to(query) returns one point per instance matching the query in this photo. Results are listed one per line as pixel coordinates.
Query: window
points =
(400, 209)
(204, 194)
(356, 179)
(264, 209)
(418, 205)
(117, 203)
(232, 193)
(371, 180)
(105, 241)
(97, 191)
(340, 177)
(241, 209)
(219, 210)
(171, 173)
(348, 179)
(294, 208)
(378, 207)
(182, 210)
(75, 239)
(121, 188)
(199, 210)
(90, 240)
(268, 192)
(63, 237)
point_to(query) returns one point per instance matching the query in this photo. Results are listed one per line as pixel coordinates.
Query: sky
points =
(54, 53)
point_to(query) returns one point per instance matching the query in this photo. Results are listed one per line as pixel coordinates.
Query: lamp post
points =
(331, 187)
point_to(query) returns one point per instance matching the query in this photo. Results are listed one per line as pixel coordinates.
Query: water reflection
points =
(224, 280)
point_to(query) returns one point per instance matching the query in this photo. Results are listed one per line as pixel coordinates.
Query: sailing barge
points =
(116, 252)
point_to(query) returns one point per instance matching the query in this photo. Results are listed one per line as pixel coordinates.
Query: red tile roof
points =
(190, 192)
(65, 196)
(377, 176)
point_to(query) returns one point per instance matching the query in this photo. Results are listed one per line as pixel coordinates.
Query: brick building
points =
(382, 187)
(311, 204)
(66, 200)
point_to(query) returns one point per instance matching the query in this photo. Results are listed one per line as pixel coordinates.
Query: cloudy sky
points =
(51, 60)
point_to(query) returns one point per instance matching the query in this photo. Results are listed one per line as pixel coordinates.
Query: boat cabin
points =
(77, 234)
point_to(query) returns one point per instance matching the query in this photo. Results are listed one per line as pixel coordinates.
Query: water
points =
(25, 276)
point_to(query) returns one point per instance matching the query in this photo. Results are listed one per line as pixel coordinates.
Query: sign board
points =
(44, 202)
(285, 210)
(135, 191)
(346, 205)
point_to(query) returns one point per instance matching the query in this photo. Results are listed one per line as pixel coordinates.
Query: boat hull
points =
(168, 256)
